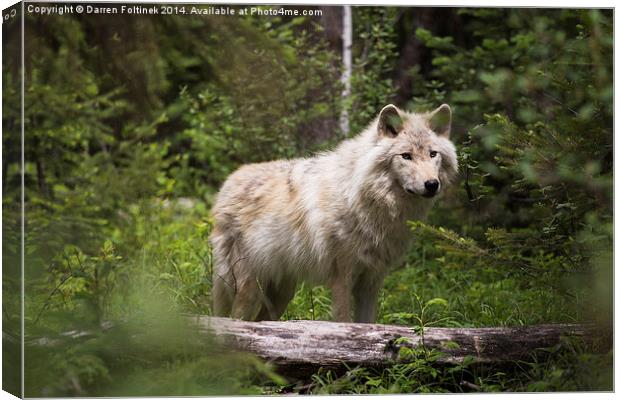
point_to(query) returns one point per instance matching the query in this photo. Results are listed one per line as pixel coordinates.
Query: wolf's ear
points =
(440, 120)
(390, 121)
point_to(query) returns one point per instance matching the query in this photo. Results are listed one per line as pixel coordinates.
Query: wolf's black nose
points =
(431, 186)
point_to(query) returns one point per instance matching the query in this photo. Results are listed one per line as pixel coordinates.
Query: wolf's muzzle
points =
(431, 187)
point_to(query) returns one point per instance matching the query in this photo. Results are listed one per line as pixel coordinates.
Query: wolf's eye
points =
(433, 154)
(406, 156)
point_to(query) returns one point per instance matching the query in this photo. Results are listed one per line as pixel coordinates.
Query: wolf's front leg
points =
(341, 285)
(366, 296)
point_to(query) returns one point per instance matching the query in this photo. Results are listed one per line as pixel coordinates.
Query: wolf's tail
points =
(224, 280)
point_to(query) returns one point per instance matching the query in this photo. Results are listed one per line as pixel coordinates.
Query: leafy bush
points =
(538, 151)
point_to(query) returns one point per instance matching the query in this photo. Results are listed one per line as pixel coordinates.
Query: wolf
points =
(335, 219)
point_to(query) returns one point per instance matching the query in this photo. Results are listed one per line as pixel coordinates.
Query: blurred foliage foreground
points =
(132, 124)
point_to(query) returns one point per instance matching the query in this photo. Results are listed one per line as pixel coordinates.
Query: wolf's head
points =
(418, 151)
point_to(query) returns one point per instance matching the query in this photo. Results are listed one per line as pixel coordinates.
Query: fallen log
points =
(301, 347)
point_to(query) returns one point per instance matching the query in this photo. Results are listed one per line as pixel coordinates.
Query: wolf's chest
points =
(373, 240)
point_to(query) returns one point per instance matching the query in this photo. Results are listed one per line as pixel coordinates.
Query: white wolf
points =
(338, 218)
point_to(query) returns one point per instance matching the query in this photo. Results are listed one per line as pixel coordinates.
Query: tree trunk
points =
(347, 61)
(331, 21)
(299, 348)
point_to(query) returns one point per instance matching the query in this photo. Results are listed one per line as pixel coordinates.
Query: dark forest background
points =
(132, 123)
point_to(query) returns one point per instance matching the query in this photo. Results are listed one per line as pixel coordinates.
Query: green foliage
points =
(313, 303)
(572, 368)
(421, 318)
(371, 85)
(565, 367)
(153, 352)
(472, 292)
(265, 105)
(539, 163)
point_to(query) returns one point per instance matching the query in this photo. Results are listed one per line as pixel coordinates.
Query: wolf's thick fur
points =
(338, 218)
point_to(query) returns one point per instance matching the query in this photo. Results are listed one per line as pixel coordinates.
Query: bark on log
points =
(301, 347)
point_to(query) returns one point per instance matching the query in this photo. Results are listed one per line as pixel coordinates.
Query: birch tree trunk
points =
(347, 43)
